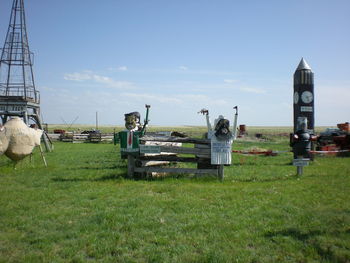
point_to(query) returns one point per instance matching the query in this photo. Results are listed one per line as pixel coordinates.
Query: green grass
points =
(82, 209)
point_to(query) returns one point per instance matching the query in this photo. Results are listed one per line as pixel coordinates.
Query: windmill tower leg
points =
(3, 119)
(25, 117)
(37, 120)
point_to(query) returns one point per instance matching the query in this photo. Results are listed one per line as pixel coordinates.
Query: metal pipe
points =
(208, 122)
(143, 131)
(235, 123)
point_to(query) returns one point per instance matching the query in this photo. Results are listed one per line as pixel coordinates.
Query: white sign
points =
(301, 162)
(149, 149)
(306, 109)
(220, 151)
(221, 147)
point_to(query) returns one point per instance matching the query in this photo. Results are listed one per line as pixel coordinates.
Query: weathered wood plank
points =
(202, 146)
(151, 163)
(185, 150)
(171, 158)
(175, 170)
(76, 136)
(174, 139)
(54, 137)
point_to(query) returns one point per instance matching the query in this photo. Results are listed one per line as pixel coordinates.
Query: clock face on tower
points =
(296, 97)
(307, 97)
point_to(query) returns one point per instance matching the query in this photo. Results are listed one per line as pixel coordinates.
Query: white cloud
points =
(123, 68)
(230, 81)
(194, 99)
(148, 98)
(120, 68)
(253, 90)
(77, 76)
(171, 100)
(46, 88)
(90, 76)
(183, 68)
(167, 109)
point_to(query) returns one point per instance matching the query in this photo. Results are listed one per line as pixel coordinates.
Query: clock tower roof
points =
(303, 65)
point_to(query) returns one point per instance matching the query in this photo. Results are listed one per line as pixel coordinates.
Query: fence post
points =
(221, 172)
(131, 165)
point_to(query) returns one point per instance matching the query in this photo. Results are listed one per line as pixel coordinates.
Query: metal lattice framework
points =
(16, 73)
(18, 96)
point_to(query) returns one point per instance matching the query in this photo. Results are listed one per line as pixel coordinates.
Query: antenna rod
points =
(96, 120)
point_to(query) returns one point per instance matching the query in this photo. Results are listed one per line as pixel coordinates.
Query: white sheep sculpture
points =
(17, 140)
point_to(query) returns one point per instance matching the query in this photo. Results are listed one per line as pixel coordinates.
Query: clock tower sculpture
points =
(304, 95)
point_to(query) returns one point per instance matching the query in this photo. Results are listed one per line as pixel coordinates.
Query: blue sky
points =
(114, 56)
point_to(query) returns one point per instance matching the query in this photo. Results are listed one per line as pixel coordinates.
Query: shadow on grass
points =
(254, 163)
(4, 163)
(136, 178)
(99, 179)
(326, 252)
(294, 233)
(96, 168)
(172, 176)
(265, 180)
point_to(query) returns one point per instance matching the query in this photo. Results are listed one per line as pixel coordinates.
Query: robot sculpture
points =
(129, 138)
(221, 138)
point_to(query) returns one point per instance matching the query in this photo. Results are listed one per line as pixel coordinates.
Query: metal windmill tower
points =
(18, 95)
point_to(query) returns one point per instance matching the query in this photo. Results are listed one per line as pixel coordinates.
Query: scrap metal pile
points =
(335, 141)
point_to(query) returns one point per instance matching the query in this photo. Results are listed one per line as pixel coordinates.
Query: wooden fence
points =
(158, 152)
(81, 138)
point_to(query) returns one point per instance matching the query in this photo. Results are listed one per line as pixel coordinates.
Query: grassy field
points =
(82, 209)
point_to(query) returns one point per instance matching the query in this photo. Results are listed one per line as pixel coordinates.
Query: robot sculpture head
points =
(222, 128)
(132, 121)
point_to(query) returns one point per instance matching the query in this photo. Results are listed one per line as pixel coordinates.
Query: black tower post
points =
(18, 95)
(304, 95)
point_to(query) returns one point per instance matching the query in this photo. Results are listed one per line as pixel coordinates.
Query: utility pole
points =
(96, 120)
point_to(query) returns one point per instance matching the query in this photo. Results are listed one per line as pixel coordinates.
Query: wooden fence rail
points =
(80, 138)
